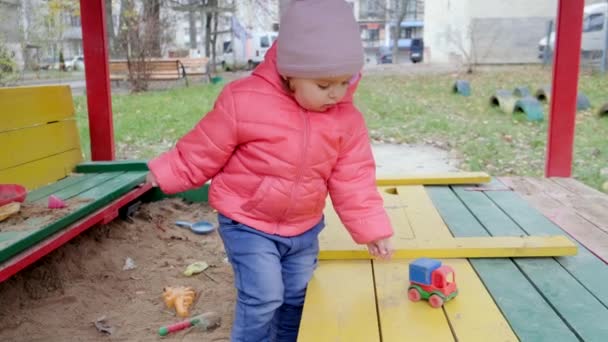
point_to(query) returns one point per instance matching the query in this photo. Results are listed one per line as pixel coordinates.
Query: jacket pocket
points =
(259, 195)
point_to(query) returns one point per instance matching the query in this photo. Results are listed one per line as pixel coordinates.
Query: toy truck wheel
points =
(413, 295)
(435, 301)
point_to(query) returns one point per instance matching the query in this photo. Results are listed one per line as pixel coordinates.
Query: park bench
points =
(155, 69)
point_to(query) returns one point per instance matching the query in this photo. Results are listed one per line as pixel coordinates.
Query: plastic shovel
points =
(201, 227)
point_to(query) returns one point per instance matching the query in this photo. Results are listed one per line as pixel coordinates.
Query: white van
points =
(249, 53)
(594, 32)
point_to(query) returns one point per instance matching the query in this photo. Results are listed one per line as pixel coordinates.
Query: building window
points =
(264, 42)
(594, 22)
(75, 21)
(371, 9)
(373, 34)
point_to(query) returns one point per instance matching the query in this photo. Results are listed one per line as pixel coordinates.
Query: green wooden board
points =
(585, 266)
(37, 194)
(528, 313)
(113, 166)
(76, 189)
(574, 303)
(102, 194)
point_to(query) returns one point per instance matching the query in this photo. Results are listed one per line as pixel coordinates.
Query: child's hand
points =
(151, 179)
(381, 249)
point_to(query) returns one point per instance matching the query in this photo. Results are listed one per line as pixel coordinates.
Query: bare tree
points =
(110, 27)
(396, 12)
(152, 22)
(467, 44)
(139, 39)
(210, 11)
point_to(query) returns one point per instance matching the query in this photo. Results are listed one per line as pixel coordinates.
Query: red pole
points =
(99, 96)
(564, 88)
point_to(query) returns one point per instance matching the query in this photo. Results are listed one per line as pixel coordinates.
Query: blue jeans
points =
(270, 274)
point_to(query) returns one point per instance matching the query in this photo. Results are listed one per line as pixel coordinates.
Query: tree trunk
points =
(121, 42)
(152, 28)
(192, 28)
(110, 28)
(214, 41)
(208, 19)
(399, 13)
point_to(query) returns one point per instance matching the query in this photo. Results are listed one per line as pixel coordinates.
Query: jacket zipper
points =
(300, 167)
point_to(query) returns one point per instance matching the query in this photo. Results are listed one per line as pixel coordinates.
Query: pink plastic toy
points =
(56, 202)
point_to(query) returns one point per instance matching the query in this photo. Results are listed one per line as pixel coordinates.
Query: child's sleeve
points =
(353, 191)
(202, 152)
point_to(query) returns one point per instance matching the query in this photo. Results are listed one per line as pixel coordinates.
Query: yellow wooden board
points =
(42, 172)
(31, 106)
(473, 315)
(340, 304)
(336, 237)
(436, 179)
(466, 247)
(401, 319)
(33, 143)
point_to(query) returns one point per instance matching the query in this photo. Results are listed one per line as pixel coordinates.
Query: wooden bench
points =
(195, 66)
(500, 299)
(154, 69)
(41, 151)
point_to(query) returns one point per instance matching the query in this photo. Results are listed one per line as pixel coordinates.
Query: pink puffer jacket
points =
(273, 163)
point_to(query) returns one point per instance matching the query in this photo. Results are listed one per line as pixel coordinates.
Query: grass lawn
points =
(413, 109)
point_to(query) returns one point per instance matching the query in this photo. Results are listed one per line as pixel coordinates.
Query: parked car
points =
(594, 32)
(417, 50)
(76, 63)
(249, 53)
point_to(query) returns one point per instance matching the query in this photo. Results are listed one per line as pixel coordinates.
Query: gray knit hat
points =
(319, 38)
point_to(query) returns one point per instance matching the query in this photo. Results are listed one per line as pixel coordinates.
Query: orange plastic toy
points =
(180, 298)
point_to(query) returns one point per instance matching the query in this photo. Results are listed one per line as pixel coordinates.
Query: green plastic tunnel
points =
(504, 100)
(544, 95)
(603, 112)
(531, 107)
(462, 87)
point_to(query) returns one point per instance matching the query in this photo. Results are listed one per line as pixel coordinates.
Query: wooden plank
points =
(555, 283)
(34, 143)
(577, 187)
(112, 166)
(39, 193)
(585, 232)
(585, 267)
(468, 247)
(42, 172)
(101, 195)
(90, 183)
(340, 304)
(473, 315)
(436, 179)
(528, 313)
(53, 103)
(335, 237)
(400, 318)
(588, 203)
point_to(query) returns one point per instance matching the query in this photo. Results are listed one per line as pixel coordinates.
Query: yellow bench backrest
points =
(39, 142)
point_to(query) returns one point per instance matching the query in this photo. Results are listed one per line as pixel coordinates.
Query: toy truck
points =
(432, 281)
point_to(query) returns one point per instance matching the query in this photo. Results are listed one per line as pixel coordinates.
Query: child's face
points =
(319, 94)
